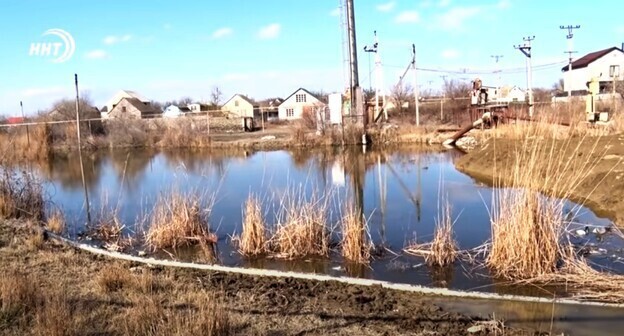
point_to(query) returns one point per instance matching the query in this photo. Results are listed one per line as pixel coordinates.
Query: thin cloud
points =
(455, 17)
(408, 17)
(335, 12)
(97, 54)
(450, 54)
(444, 3)
(36, 92)
(503, 4)
(386, 7)
(270, 32)
(222, 32)
(113, 39)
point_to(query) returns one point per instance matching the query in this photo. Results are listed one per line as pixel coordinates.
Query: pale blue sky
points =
(169, 49)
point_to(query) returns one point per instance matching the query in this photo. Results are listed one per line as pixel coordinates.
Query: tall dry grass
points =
(253, 238)
(178, 220)
(19, 143)
(56, 222)
(442, 251)
(528, 237)
(301, 229)
(21, 195)
(203, 315)
(443, 247)
(355, 244)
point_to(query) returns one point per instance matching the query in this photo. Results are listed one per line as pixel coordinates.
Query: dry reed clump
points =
(526, 233)
(18, 294)
(205, 315)
(21, 195)
(184, 132)
(113, 278)
(356, 243)
(54, 316)
(302, 228)
(56, 222)
(442, 250)
(443, 247)
(35, 240)
(253, 239)
(528, 229)
(20, 143)
(177, 221)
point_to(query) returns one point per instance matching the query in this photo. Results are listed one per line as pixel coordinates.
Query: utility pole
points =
(84, 184)
(498, 70)
(570, 51)
(353, 64)
(525, 48)
(24, 120)
(416, 93)
(369, 50)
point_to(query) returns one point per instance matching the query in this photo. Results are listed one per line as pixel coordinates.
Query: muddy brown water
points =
(399, 190)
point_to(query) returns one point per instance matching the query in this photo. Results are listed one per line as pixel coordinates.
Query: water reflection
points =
(394, 191)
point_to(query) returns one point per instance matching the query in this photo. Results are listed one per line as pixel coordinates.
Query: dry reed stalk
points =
(201, 315)
(18, 293)
(528, 229)
(356, 243)
(302, 228)
(442, 250)
(177, 221)
(113, 278)
(253, 239)
(443, 247)
(21, 195)
(56, 222)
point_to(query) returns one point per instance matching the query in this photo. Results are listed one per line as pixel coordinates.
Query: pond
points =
(399, 189)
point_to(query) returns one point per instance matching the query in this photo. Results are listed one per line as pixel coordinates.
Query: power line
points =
(544, 66)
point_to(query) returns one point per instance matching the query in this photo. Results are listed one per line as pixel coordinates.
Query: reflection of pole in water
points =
(418, 190)
(84, 184)
(382, 199)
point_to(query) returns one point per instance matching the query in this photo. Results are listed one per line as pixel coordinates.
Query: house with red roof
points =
(606, 65)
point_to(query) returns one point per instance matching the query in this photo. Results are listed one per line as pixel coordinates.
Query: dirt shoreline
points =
(602, 190)
(255, 305)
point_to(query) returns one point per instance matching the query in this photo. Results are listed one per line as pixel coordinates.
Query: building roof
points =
(139, 105)
(306, 91)
(245, 98)
(586, 60)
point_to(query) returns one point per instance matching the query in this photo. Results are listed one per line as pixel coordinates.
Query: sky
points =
(166, 50)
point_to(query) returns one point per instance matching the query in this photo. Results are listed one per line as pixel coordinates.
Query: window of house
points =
(300, 98)
(290, 112)
(236, 103)
(123, 109)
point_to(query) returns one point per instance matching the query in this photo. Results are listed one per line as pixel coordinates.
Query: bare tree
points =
(400, 94)
(455, 89)
(216, 96)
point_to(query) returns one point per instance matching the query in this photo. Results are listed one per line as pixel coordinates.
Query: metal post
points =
(416, 93)
(84, 184)
(526, 50)
(24, 120)
(353, 63)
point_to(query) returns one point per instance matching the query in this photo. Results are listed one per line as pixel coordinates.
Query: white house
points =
(117, 98)
(173, 111)
(510, 95)
(241, 106)
(605, 65)
(297, 103)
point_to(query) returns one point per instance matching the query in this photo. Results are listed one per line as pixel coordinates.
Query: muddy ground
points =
(603, 188)
(107, 297)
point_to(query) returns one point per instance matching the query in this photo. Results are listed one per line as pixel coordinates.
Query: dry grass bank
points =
(55, 290)
(21, 195)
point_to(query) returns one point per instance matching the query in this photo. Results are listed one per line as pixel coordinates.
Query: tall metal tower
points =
(570, 51)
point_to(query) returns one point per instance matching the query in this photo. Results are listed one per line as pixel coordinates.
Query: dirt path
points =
(108, 297)
(603, 188)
